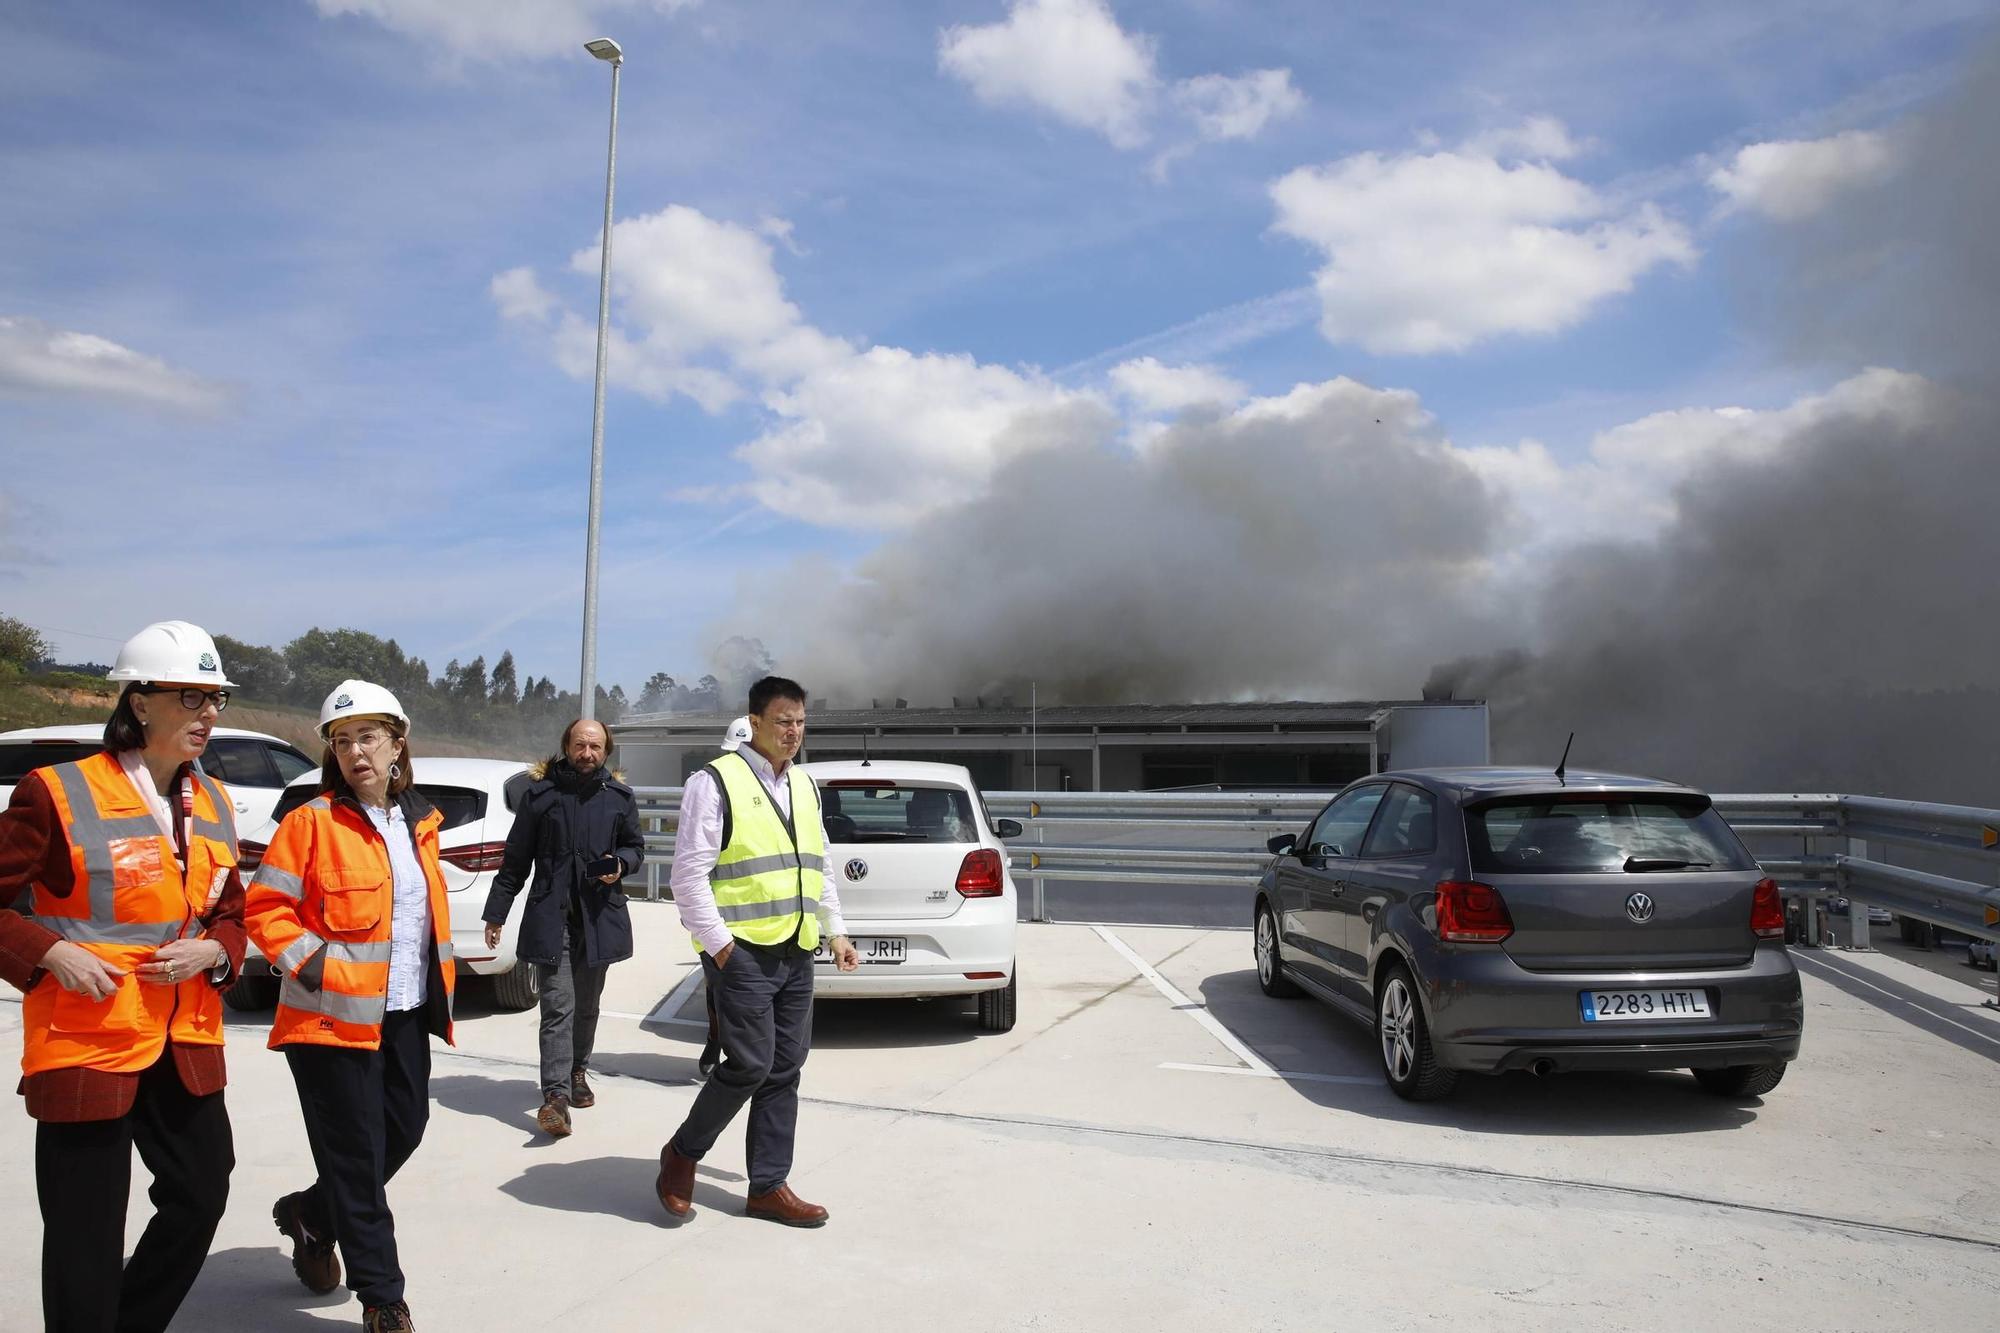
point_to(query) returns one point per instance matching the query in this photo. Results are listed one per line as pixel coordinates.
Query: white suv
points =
(255, 767)
(923, 884)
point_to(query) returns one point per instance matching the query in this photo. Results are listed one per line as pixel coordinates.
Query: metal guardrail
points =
(1818, 846)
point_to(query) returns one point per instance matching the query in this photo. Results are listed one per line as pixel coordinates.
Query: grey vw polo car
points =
(1493, 919)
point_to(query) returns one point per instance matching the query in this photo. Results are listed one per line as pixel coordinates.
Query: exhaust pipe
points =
(1543, 1067)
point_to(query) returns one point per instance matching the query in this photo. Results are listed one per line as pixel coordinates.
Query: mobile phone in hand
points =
(604, 865)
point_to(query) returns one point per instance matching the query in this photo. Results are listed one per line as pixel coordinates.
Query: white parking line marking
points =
(1814, 965)
(671, 1003)
(1199, 1013)
(1289, 1075)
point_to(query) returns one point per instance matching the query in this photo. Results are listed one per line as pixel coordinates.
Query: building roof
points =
(1296, 715)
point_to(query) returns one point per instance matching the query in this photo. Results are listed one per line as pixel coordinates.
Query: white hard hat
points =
(171, 650)
(357, 698)
(737, 735)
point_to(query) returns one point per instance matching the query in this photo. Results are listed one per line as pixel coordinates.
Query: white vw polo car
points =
(923, 885)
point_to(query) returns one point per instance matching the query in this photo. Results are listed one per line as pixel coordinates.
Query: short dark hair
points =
(775, 687)
(123, 732)
(332, 780)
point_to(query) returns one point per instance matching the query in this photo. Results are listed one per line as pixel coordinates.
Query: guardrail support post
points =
(1038, 897)
(1857, 911)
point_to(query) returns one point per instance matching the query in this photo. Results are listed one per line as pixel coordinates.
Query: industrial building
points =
(1111, 747)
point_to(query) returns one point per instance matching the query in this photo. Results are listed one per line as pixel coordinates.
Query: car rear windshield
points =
(18, 759)
(459, 805)
(896, 812)
(1599, 833)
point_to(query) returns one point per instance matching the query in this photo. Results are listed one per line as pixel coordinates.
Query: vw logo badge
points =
(857, 869)
(1639, 907)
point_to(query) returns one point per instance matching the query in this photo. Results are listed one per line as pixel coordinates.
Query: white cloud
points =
(1067, 57)
(1536, 139)
(1787, 180)
(883, 438)
(1238, 108)
(1157, 389)
(1626, 487)
(520, 295)
(37, 358)
(498, 29)
(1437, 252)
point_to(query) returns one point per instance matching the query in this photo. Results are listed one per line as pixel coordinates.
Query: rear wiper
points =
(1640, 864)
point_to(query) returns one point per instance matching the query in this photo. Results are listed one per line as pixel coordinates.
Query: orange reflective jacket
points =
(326, 884)
(130, 896)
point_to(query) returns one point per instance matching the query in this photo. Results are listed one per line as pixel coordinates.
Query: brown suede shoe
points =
(313, 1259)
(675, 1185)
(781, 1205)
(391, 1318)
(554, 1115)
(580, 1094)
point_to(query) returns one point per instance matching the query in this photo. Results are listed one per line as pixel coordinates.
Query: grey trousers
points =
(570, 993)
(763, 1008)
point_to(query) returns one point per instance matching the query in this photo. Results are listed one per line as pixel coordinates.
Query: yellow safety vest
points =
(766, 881)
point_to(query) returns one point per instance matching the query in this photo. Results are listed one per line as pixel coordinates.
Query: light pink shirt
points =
(698, 842)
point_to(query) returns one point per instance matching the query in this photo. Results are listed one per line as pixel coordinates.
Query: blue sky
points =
(291, 292)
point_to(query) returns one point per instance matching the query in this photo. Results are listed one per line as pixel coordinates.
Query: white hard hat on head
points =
(171, 650)
(358, 698)
(738, 734)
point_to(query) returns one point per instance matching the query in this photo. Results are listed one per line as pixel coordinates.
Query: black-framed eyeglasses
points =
(191, 699)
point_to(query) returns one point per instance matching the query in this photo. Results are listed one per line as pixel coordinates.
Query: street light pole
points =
(604, 49)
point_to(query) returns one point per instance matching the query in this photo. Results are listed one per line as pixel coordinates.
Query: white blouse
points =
(410, 929)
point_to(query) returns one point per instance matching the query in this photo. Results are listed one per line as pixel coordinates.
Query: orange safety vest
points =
(129, 897)
(326, 883)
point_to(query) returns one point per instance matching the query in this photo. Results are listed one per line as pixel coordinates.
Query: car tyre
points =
(1271, 978)
(1409, 1063)
(519, 987)
(1741, 1080)
(250, 994)
(996, 1007)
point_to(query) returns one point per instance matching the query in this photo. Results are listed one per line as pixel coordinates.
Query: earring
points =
(395, 771)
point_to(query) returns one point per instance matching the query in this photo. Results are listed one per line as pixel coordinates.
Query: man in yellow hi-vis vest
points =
(750, 883)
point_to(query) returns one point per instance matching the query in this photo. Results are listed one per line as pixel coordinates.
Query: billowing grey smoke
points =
(1824, 614)
(1328, 540)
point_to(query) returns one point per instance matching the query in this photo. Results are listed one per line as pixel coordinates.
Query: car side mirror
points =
(1283, 843)
(1006, 828)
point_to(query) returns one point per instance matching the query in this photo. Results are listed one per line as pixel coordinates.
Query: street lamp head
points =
(605, 49)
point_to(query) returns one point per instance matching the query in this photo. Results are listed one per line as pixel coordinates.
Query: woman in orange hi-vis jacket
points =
(349, 906)
(128, 858)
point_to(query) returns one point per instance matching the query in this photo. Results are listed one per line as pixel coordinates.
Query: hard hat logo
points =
(207, 662)
(344, 701)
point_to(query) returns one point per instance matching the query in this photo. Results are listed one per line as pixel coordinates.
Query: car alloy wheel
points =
(1267, 949)
(1399, 1046)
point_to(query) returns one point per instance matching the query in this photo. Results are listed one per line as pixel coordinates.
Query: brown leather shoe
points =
(391, 1318)
(580, 1094)
(313, 1259)
(781, 1205)
(554, 1115)
(675, 1185)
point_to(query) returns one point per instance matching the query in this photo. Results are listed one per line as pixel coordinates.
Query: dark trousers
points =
(763, 1009)
(571, 991)
(365, 1113)
(83, 1175)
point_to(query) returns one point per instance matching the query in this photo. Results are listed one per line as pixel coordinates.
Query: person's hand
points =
(492, 936)
(722, 954)
(844, 956)
(178, 961)
(80, 971)
(611, 878)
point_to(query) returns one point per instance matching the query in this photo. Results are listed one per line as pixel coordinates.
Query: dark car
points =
(1495, 919)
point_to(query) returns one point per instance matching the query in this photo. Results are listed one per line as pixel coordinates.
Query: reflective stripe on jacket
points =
(130, 897)
(326, 885)
(765, 880)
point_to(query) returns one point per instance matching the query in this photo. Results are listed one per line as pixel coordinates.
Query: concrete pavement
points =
(1119, 1161)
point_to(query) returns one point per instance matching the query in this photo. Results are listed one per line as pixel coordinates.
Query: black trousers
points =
(83, 1175)
(763, 1009)
(365, 1113)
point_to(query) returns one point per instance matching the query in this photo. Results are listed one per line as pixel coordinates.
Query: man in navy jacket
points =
(577, 826)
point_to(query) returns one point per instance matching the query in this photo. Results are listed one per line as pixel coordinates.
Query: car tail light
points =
(478, 858)
(981, 875)
(250, 855)
(1469, 912)
(1767, 911)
